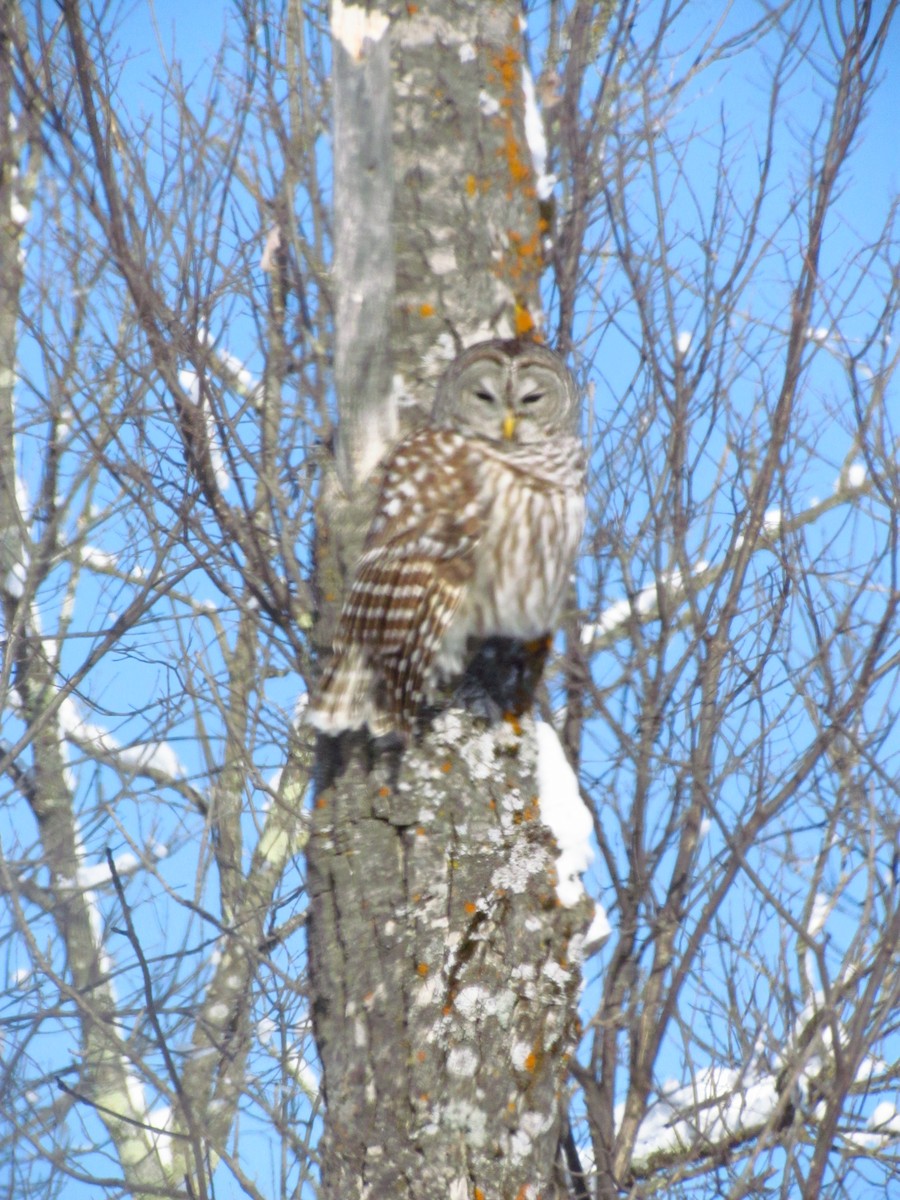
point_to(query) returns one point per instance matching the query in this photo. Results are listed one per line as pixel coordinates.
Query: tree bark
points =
(443, 986)
(444, 989)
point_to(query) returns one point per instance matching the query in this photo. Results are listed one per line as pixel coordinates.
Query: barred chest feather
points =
(533, 498)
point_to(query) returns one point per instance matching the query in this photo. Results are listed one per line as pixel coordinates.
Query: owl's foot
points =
(502, 677)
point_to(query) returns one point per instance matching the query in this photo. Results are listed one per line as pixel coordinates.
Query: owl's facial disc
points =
(509, 392)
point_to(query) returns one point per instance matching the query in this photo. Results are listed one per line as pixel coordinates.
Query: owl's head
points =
(508, 391)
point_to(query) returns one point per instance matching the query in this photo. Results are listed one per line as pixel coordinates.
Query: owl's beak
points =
(509, 425)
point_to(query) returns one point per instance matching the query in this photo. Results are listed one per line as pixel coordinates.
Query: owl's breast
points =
(523, 562)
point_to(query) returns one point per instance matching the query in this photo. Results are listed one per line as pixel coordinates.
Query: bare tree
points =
(200, 368)
(745, 721)
(156, 532)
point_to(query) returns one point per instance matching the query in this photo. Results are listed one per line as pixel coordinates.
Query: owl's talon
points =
(512, 720)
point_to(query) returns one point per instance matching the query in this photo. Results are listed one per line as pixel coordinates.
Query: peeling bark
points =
(363, 240)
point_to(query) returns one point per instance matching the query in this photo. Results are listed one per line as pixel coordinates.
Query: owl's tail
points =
(346, 697)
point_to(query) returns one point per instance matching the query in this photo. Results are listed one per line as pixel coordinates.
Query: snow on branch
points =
(566, 814)
(157, 759)
(232, 371)
(235, 376)
(190, 382)
(675, 587)
(570, 821)
(723, 1107)
(536, 138)
(719, 1107)
(292, 1059)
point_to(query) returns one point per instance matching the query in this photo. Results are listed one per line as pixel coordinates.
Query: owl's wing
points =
(415, 601)
(418, 560)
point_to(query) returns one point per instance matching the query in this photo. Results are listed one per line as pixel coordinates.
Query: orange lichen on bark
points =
(520, 168)
(521, 263)
(523, 320)
(530, 812)
(426, 310)
(521, 267)
(422, 969)
(533, 1058)
(507, 66)
(526, 248)
(470, 907)
(446, 766)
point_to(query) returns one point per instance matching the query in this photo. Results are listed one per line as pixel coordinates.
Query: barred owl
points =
(474, 537)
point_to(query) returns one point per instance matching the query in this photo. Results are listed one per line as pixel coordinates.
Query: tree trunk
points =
(443, 989)
(442, 985)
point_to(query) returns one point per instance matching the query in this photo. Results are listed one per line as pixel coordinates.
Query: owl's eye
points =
(486, 396)
(532, 397)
